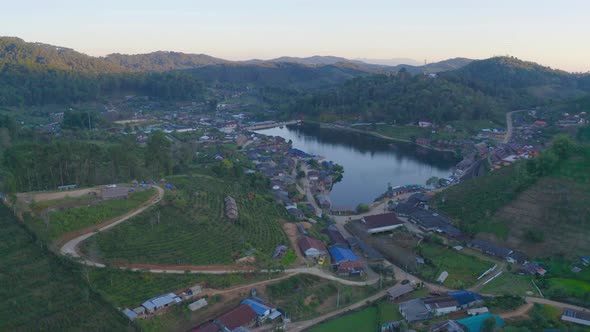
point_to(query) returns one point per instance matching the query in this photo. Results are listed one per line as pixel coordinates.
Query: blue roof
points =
(259, 308)
(340, 255)
(465, 297)
(474, 323)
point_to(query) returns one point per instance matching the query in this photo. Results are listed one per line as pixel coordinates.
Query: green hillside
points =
(523, 205)
(42, 292)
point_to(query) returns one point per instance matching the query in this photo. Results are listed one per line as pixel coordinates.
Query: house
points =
(114, 192)
(263, 311)
(398, 291)
(475, 323)
(311, 247)
(231, 208)
(490, 248)
(350, 269)
(447, 326)
(516, 257)
(341, 255)
(242, 316)
(296, 213)
(414, 310)
(532, 269)
(424, 123)
(324, 201)
(336, 238)
(160, 302)
(441, 305)
(466, 299)
(380, 223)
(430, 221)
(576, 316)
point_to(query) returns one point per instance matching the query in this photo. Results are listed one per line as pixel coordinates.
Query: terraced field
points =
(189, 228)
(41, 292)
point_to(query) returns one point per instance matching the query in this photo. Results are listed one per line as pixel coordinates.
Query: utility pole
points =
(338, 298)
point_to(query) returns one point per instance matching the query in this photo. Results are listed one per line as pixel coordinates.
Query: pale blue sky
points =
(554, 33)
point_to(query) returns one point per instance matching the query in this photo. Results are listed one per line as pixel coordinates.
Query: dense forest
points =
(402, 98)
(31, 166)
(23, 85)
(484, 89)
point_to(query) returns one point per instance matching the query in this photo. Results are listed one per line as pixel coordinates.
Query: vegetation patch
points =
(189, 227)
(463, 269)
(53, 224)
(43, 292)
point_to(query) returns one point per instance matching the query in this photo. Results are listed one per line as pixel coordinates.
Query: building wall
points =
(575, 320)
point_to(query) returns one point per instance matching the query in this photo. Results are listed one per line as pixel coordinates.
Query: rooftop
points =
(381, 220)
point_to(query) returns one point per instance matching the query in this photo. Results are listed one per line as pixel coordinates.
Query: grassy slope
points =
(366, 319)
(192, 228)
(73, 219)
(40, 292)
(463, 269)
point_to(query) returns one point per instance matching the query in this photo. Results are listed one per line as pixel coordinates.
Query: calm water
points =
(369, 163)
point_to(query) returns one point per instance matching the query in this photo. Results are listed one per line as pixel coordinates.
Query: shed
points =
(114, 193)
(198, 304)
(130, 313)
(399, 290)
(442, 305)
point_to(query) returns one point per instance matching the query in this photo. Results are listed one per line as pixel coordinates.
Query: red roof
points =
(208, 327)
(240, 316)
(308, 243)
(349, 266)
(381, 220)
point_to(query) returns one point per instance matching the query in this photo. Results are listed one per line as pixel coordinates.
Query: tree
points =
(361, 208)
(488, 325)
(158, 155)
(562, 146)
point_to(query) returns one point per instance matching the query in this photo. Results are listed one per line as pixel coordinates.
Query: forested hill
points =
(402, 98)
(519, 82)
(162, 61)
(15, 51)
(483, 89)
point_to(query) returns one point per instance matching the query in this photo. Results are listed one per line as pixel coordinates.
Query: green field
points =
(509, 284)
(42, 292)
(72, 219)
(463, 269)
(130, 289)
(189, 226)
(367, 319)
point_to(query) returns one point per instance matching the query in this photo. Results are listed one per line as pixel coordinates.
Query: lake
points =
(370, 163)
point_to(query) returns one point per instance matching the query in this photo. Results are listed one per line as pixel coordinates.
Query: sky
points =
(551, 32)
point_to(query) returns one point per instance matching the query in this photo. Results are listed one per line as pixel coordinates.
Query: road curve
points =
(70, 248)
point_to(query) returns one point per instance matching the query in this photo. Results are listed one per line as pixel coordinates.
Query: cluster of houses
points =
(416, 209)
(250, 313)
(161, 302)
(572, 120)
(507, 154)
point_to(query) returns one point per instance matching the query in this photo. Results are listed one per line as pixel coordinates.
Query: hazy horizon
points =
(541, 31)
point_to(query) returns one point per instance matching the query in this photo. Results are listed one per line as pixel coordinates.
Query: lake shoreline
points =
(375, 134)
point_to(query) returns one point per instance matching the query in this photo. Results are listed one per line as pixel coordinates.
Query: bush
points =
(362, 208)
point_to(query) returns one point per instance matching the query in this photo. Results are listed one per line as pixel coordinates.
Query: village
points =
(346, 243)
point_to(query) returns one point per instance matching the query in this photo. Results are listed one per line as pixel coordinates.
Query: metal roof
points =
(342, 255)
(259, 308)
